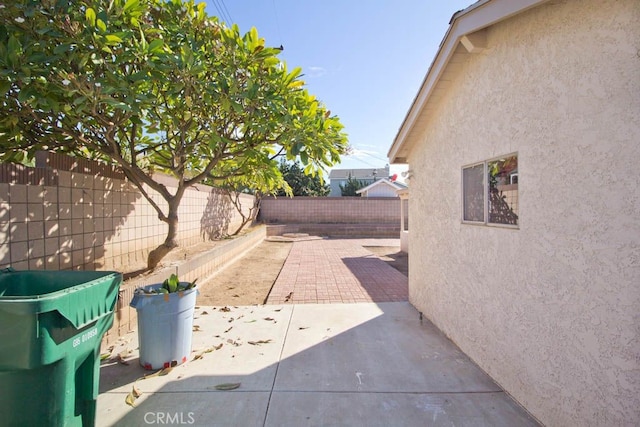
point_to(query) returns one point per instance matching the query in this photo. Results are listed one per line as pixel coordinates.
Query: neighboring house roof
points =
(395, 185)
(359, 173)
(465, 36)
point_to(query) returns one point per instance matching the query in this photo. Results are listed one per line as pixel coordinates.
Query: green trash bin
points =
(51, 325)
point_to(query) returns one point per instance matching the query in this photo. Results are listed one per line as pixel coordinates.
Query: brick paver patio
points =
(336, 271)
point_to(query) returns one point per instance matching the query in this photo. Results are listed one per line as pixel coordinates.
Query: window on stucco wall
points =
(490, 192)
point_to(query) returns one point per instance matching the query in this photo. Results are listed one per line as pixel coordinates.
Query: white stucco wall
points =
(551, 310)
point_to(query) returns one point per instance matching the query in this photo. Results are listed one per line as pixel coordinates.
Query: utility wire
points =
(224, 6)
(362, 161)
(221, 7)
(275, 12)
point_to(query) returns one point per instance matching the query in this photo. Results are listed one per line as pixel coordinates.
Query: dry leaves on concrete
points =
(200, 354)
(135, 392)
(259, 342)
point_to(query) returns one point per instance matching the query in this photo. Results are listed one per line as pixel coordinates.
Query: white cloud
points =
(356, 152)
(316, 71)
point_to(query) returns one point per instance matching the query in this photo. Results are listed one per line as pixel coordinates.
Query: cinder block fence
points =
(332, 216)
(70, 213)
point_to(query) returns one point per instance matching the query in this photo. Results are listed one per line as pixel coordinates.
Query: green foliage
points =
(301, 184)
(351, 186)
(172, 285)
(156, 85)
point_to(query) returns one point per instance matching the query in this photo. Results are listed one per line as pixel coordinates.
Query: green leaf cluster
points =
(301, 184)
(172, 285)
(156, 86)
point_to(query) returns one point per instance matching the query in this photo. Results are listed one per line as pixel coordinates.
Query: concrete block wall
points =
(330, 210)
(70, 213)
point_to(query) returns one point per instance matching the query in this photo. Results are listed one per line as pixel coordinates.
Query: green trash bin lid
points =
(80, 296)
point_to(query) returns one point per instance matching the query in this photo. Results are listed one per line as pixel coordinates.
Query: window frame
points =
(485, 186)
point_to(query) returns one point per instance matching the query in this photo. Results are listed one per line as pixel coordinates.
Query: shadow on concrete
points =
(392, 256)
(341, 364)
(380, 281)
(120, 374)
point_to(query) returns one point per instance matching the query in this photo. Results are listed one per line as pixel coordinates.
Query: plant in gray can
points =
(165, 322)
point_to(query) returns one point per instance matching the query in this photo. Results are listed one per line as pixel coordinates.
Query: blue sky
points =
(364, 60)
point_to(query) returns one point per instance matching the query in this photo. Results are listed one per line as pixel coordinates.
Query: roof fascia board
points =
(474, 18)
(378, 182)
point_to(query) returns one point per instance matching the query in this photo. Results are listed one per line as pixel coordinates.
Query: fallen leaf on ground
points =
(231, 320)
(303, 327)
(132, 396)
(225, 309)
(270, 319)
(227, 386)
(278, 310)
(235, 296)
(160, 373)
(288, 297)
(201, 353)
(130, 399)
(196, 328)
(230, 328)
(232, 342)
(121, 360)
(204, 312)
(105, 356)
(259, 342)
(250, 321)
(136, 392)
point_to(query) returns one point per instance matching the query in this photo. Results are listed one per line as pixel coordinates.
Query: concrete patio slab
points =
(394, 409)
(375, 348)
(209, 408)
(235, 360)
(329, 364)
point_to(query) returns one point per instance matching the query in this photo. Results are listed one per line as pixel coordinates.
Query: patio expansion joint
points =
(275, 375)
(392, 392)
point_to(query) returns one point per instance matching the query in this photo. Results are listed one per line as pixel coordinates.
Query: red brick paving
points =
(336, 271)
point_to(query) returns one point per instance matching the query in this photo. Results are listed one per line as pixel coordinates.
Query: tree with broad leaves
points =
(156, 85)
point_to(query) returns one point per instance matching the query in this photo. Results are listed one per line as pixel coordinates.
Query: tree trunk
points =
(171, 242)
(253, 211)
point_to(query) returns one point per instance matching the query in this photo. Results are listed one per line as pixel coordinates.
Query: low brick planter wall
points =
(200, 267)
(337, 230)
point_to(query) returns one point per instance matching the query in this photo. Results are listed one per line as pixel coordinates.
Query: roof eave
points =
(478, 16)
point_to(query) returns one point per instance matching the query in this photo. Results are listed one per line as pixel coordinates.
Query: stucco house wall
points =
(551, 309)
